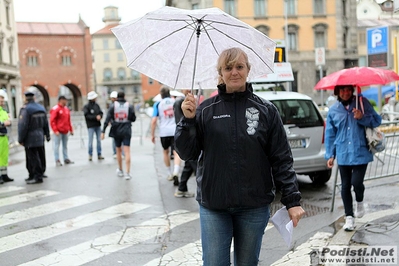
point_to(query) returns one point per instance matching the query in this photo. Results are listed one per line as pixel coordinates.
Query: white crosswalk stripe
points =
(6, 189)
(105, 245)
(35, 235)
(45, 209)
(26, 197)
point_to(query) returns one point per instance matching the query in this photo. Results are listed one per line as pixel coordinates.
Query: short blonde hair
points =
(228, 58)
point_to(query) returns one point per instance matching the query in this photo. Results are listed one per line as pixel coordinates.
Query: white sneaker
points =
(359, 213)
(184, 194)
(119, 172)
(128, 176)
(170, 177)
(349, 223)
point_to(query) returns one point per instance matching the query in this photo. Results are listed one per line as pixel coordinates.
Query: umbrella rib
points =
(181, 60)
(157, 41)
(248, 47)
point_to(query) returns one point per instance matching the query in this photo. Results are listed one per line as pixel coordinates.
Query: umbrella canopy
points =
(357, 76)
(180, 47)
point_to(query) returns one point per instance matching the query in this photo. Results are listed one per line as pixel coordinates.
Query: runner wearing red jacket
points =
(60, 121)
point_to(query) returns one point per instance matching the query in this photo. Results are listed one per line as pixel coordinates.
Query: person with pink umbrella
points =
(345, 141)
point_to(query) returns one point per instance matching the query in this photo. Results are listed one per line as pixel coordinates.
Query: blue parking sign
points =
(377, 40)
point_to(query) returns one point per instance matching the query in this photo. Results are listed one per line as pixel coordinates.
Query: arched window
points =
(107, 74)
(264, 29)
(121, 74)
(135, 74)
(320, 35)
(292, 43)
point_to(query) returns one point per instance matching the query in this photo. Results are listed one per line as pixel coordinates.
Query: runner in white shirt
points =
(164, 115)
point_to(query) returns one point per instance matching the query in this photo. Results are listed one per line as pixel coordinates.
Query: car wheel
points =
(320, 177)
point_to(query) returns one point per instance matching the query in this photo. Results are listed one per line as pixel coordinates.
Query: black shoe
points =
(7, 179)
(34, 181)
(29, 178)
(44, 176)
(175, 180)
(67, 161)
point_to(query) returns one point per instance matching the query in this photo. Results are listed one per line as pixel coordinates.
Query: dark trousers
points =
(352, 175)
(189, 168)
(34, 161)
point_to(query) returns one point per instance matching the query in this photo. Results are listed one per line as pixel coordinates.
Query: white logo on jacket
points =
(252, 115)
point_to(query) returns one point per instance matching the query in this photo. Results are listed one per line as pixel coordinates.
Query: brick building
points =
(111, 71)
(55, 59)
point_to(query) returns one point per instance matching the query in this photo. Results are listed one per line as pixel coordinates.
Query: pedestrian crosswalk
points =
(95, 248)
(139, 225)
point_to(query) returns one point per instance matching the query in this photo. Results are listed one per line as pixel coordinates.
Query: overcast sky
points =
(91, 11)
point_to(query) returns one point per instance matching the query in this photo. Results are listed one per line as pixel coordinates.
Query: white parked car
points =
(305, 128)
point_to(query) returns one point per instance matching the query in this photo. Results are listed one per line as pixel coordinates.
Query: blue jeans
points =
(245, 225)
(56, 146)
(97, 131)
(352, 175)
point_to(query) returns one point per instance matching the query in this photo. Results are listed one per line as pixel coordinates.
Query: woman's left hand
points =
(295, 214)
(357, 114)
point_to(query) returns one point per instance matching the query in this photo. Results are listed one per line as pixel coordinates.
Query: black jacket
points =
(242, 150)
(33, 125)
(90, 111)
(118, 129)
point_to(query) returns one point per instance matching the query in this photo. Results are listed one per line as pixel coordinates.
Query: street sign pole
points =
(320, 61)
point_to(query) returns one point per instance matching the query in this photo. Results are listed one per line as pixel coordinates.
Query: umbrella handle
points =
(196, 53)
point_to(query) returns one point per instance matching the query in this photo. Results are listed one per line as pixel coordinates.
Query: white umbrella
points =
(173, 93)
(180, 47)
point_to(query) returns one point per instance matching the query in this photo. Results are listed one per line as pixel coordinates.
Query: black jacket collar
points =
(235, 95)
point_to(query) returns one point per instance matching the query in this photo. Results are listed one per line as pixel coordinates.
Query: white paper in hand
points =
(281, 220)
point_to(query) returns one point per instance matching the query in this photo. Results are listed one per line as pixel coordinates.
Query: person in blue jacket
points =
(345, 141)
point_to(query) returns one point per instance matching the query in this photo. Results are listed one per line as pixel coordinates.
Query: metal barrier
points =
(385, 163)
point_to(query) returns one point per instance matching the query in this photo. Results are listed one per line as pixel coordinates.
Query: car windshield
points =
(301, 113)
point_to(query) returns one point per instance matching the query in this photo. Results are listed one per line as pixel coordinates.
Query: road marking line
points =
(45, 209)
(36, 235)
(26, 197)
(105, 245)
(5, 189)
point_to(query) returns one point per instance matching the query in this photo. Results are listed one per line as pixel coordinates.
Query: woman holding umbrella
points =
(243, 156)
(345, 141)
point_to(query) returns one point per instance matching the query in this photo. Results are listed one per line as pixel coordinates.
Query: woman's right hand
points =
(189, 106)
(330, 163)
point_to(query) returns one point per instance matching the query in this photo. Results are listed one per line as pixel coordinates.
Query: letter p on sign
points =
(376, 37)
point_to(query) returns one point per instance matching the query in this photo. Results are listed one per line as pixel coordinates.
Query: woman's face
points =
(345, 93)
(235, 76)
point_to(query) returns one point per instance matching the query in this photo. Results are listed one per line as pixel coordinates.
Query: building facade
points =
(111, 71)
(10, 79)
(55, 59)
(304, 25)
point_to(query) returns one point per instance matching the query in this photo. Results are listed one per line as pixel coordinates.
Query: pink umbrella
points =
(357, 76)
